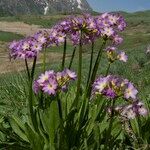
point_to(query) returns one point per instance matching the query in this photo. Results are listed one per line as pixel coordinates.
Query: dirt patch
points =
(19, 28)
(7, 65)
(17, 65)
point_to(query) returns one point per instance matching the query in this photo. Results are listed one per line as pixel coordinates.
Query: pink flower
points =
(72, 75)
(131, 91)
(108, 31)
(50, 87)
(122, 57)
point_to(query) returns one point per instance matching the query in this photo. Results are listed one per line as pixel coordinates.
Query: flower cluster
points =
(113, 54)
(27, 48)
(105, 26)
(130, 111)
(51, 82)
(109, 24)
(113, 87)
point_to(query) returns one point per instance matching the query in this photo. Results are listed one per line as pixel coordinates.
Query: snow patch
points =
(79, 4)
(46, 8)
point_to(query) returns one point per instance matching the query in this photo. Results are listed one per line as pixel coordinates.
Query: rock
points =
(42, 7)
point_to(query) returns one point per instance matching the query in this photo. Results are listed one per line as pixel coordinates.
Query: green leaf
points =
(35, 139)
(83, 112)
(18, 128)
(50, 121)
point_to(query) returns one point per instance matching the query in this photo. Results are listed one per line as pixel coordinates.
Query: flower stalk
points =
(108, 133)
(64, 54)
(91, 63)
(72, 58)
(30, 102)
(44, 59)
(59, 107)
(108, 68)
(27, 69)
(79, 70)
(95, 69)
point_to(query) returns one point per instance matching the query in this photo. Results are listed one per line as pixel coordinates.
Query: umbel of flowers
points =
(50, 84)
(113, 88)
(105, 26)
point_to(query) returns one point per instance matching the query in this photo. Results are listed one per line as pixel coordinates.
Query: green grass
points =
(8, 36)
(43, 21)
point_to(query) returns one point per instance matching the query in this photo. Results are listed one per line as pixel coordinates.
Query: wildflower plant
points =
(98, 116)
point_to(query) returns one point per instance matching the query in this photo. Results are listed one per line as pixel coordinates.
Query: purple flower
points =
(36, 87)
(130, 91)
(100, 84)
(40, 38)
(135, 109)
(50, 87)
(72, 75)
(27, 48)
(107, 31)
(110, 93)
(122, 57)
(114, 55)
(113, 19)
(117, 39)
(129, 111)
(36, 46)
(110, 48)
(51, 82)
(114, 87)
(45, 77)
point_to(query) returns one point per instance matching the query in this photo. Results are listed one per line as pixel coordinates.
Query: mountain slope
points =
(15, 7)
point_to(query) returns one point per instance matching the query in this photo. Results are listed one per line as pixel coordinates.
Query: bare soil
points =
(17, 65)
(19, 28)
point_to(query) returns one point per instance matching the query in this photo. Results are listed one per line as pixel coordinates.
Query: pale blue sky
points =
(115, 5)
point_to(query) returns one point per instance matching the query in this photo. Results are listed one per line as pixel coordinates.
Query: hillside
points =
(43, 7)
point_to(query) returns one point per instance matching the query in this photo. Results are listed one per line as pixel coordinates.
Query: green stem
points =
(59, 107)
(41, 105)
(44, 59)
(64, 54)
(72, 57)
(79, 71)
(31, 111)
(91, 63)
(27, 69)
(33, 68)
(95, 69)
(108, 133)
(108, 68)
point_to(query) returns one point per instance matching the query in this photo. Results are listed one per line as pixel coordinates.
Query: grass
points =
(8, 36)
(43, 21)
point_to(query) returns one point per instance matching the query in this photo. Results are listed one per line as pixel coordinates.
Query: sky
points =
(116, 5)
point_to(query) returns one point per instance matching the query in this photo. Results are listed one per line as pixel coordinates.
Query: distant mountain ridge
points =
(17, 7)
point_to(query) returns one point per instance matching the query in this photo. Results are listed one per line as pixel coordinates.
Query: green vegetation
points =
(136, 40)
(137, 69)
(8, 36)
(43, 21)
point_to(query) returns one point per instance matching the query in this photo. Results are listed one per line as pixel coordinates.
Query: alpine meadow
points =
(74, 82)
